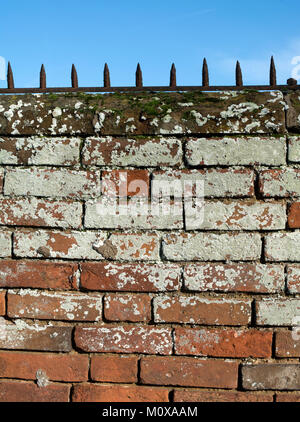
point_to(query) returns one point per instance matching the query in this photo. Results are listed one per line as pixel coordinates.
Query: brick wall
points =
(102, 307)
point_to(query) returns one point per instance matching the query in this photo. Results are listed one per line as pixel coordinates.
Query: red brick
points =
(288, 397)
(125, 183)
(294, 216)
(287, 343)
(124, 339)
(38, 274)
(67, 306)
(2, 302)
(16, 391)
(57, 367)
(271, 376)
(114, 368)
(240, 277)
(133, 308)
(199, 310)
(223, 343)
(189, 372)
(111, 276)
(220, 396)
(45, 337)
(118, 393)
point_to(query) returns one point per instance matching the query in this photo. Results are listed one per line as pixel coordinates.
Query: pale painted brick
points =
(236, 151)
(40, 151)
(277, 311)
(217, 182)
(48, 337)
(283, 246)
(212, 247)
(52, 182)
(86, 245)
(39, 212)
(238, 215)
(123, 152)
(294, 149)
(5, 244)
(271, 376)
(243, 277)
(103, 214)
(281, 183)
(67, 306)
(57, 244)
(293, 278)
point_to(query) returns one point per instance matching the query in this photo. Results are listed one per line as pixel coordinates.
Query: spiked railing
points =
(291, 83)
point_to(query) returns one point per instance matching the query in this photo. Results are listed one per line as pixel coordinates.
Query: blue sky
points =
(155, 33)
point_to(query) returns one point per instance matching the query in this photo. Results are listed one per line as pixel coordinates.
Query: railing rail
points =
(11, 89)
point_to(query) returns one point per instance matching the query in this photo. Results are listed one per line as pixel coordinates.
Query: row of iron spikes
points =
(139, 77)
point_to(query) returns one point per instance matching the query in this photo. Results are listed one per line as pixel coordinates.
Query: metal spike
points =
(10, 77)
(173, 75)
(273, 80)
(42, 78)
(138, 77)
(238, 75)
(74, 77)
(106, 77)
(205, 76)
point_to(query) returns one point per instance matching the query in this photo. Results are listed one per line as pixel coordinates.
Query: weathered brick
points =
(39, 151)
(38, 274)
(217, 182)
(294, 149)
(280, 183)
(47, 337)
(52, 182)
(236, 151)
(109, 276)
(56, 367)
(199, 310)
(188, 372)
(191, 395)
(114, 368)
(277, 311)
(212, 247)
(1, 177)
(260, 278)
(86, 245)
(133, 308)
(38, 212)
(288, 397)
(57, 244)
(5, 244)
(271, 377)
(294, 216)
(287, 342)
(118, 393)
(124, 339)
(223, 342)
(67, 306)
(238, 215)
(2, 302)
(20, 391)
(125, 183)
(123, 152)
(293, 278)
(104, 214)
(282, 246)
